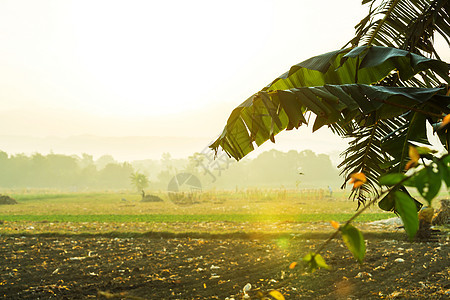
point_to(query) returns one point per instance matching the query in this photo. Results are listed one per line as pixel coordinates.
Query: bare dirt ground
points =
(152, 266)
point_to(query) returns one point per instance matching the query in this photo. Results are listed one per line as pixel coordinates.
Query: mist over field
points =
(270, 169)
(142, 146)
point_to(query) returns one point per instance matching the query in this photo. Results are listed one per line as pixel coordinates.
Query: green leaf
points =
(446, 159)
(391, 179)
(425, 150)
(354, 241)
(341, 66)
(444, 168)
(315, 261)
(318, 63)
(321, 262)
(388, 202)
(265, 114)
(407, 210)
(445, 172)
(428, 182)
(309, 260)
(403, 60)
(326, 87)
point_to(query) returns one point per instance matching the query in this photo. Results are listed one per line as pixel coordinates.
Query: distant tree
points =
(316, 166)
(4, 167)
(115, 175)
(18, 172)
(86, 160)
(62, 170)
(38, 169)
(88, 177)
(194, 162)
(139, 181)
(104, 160)
(166, 161)
(3, 156)
(164, 177)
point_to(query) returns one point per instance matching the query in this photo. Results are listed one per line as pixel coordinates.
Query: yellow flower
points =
(445, 120)
(293, 265)
(414, 158)
(358, 179)
(334, 224)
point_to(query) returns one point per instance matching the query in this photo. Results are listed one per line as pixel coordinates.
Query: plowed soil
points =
(217, 267)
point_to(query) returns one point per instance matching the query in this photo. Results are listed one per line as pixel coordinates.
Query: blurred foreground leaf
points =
(427, 181)
(354, 241)
(407, 210)
(276, 295)
(391, 179)
(445, 171)
(315, 261)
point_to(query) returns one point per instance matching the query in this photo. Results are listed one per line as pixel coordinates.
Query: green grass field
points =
(287, 205)
(195, 218)
(212, 211)
(271, 211)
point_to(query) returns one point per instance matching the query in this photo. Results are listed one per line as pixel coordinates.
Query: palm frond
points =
(405, 24)
(408, 25)
(365, 154)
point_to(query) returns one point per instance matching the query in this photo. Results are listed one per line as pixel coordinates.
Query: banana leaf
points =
(336, 88)
(256, 120)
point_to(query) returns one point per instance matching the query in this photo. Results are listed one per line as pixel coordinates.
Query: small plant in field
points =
(139, 181)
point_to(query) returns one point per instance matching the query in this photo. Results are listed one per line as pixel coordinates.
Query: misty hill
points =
(129, 148)
(122, 148)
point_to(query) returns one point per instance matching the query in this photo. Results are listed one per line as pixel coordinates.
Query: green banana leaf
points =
(335, 87)
(265, 114)
(364, 64)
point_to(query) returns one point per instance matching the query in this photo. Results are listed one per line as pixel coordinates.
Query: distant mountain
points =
(130, 148)
(121, 148)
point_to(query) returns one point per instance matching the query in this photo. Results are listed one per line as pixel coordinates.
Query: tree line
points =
(62, 171)
(77, 173)
(272, 169)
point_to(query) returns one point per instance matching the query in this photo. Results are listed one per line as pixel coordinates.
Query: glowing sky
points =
(152, 68)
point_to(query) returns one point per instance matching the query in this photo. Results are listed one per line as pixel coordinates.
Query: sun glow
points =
(155, 68)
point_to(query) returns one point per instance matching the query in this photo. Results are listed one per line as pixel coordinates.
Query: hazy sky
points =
(153, 68)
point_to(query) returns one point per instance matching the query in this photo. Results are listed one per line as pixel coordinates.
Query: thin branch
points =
(373, 201)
